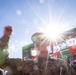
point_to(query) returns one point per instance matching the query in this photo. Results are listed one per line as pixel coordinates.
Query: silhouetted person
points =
(46, 64)
(4, 40)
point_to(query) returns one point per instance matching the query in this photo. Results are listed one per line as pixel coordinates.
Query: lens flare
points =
(52, 32)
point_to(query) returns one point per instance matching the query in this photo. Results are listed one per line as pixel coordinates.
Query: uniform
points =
(56, 51)
(70, 43)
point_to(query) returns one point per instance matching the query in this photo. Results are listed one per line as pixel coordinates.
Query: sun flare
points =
(52, 32)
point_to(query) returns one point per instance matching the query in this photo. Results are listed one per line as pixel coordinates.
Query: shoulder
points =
(58, 61)
(5, 38)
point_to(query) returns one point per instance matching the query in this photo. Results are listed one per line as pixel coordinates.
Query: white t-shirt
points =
(33, 52)
(71, 42)
(49, 49)
(56, 48)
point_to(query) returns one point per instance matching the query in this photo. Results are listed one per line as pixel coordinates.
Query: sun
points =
(52, 32)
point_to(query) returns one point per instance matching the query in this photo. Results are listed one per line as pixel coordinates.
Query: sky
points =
(30, 16)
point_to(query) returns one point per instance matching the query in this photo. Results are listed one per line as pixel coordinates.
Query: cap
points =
(40, 36)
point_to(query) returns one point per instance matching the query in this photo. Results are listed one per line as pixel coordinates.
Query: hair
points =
(8, 28)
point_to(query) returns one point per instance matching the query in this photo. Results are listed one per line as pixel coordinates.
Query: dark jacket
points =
(49, 66)
(53, 66)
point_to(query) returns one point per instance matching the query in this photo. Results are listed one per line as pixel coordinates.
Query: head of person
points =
(8, 30)
(41, 42)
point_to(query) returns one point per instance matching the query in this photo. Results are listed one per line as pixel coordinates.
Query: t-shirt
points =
(49, 49)
(71, 42)
(56, 48)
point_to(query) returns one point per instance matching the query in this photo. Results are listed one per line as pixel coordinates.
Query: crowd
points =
(4, 40)
(47, 65)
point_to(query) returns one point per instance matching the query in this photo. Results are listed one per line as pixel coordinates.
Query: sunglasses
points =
(41, 38)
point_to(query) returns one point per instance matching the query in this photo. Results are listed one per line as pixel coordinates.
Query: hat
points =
(40, 36)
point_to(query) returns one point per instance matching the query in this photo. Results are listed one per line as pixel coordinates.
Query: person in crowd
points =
(4, 40)
(75, 45)
(56, 50)
(40, 45)
(70, 43)
(33, 53)
(46, 64)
